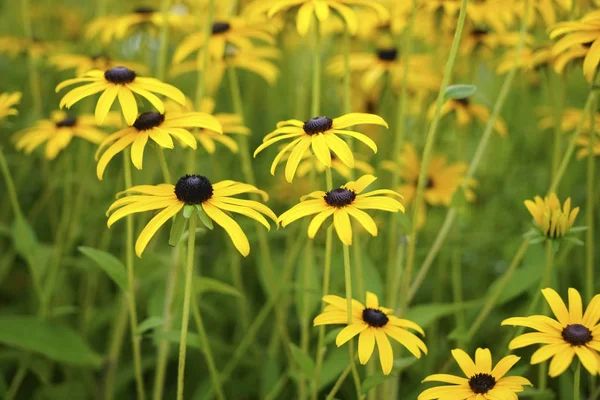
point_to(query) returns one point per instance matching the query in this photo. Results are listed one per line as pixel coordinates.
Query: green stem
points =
(33, 72)
(428, 151)
(316, 71)
(17, 380)
(590, 203)
(163, 163)
(131, 289)
(577, 379)
(10, 186)
(189, 275)
(348, 283)
(546, 282)
(347, 75)
(114, 352)
(163, 40)
(338, 383)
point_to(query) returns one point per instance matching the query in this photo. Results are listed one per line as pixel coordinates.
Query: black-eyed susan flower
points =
(320, 134)
(584, 32)
(573, 333)
(14, 46)
(373, 324)
(118, 82)
(230, 124)
(571, 118)
(483, 381)
(529, 59)
(466, 112)
(323, 10)
(83, 63)
(158, 127)
(213, 200)
(443, 179)
(551, 219)
(7, 103)
(235, 31)
(59, 130)
(307, 164)
(341, 203)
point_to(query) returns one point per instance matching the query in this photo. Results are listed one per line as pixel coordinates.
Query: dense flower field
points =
(299, 199)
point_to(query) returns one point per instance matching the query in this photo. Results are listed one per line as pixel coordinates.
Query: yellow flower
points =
(322, 134)
(58, 132)
(235, 31)
(443, 179)
(466, 112)
(7, 102)
(570, 120)
(547, 10)
(158, 127)
(118, 82)
(342, 203)
(584, 32)
(116, 27)
(553, 221)
(14, 46)
(583, 142)
(498, 14)
(322, 9)
(529, 59)
(373, 324)
(83, 63)
(196, 190)
(230, 123)
(307, 164)
(572, 333)
(481, 382)
(483, 41)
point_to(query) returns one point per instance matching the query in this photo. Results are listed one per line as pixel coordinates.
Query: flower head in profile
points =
(7, 103)
(83, 63)
(585, 33)
(466, 112)
(320, 134)
(341, 203)
(483, 380)
(373, 324)
(158, 127)
(118, 82)
(58, 131)
(584, 146)
(322, 10)
(210, 200)
(444, 179)
(550, 218)
(572, 333)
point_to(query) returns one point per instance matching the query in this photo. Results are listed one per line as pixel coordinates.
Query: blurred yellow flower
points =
(466, 112)
(83, 63)
(550, 218)
(15, 46)
(7, 103)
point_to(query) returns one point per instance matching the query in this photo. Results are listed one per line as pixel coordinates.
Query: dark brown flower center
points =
(387, 54)
(465, 101)
(479, 33)
(375, 318)
(119, 75)
(193, 189)
(220, 27)
(482, 383)
(68, 122)
(429, 183)
(148, 120)
(340, 197)
(144, 10)
(577, 334)
(317, 125)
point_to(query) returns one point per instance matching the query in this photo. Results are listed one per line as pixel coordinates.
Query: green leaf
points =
(24, 238)
(537, 240)
(56, 342)
(574, 240)
(109, 264)
(304, 361)
(192, 341)
(373, 380)
(460, 91)
(204, 218)
(188, 209)
(203, 284)
(426, 314)
(331, 335)
(336, 361)
(177, 228)
(403, 220)
(577, 229)
(148, 324)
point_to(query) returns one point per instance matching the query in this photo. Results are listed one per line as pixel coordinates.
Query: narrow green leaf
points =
(304, 361)
(192, 341)
(148, 324)
(188, 209)
(574, 240)
(109, 264)
(460, 91)
(204, 218)
(177, 228)
(24, 238)
(373, 380)
(203, 284)
(57, 342)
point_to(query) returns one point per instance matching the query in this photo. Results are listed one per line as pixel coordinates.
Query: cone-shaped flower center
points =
(220, 27)
(429, 183)
(193, 189)
(465, 101)
(577, 334)
(387, 54)
(148, 120)
(482, 383)
(144, 10)
(317, 125)
(340, 197)
(479, 32)
(119, 75)
(68, 122)
(374, 318)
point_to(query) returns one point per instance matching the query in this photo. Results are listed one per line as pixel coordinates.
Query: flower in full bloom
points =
(572, 333)
(373, 324)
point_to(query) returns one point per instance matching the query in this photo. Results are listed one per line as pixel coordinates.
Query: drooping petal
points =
(153, 226)
(343, 227)
(349, 332)
(238, 237)
(386, 355)
(366, 345)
